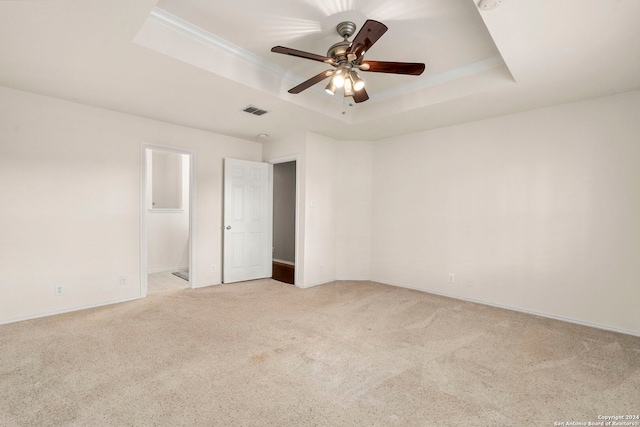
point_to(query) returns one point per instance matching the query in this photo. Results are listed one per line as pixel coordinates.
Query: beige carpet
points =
(342, 354)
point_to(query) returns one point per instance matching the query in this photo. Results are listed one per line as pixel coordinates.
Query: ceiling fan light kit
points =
(347, 57)
(358, 83)
(331, 88)
(348, 87)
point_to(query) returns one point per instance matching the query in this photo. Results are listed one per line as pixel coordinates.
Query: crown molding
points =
(437, 79)
(186, 28)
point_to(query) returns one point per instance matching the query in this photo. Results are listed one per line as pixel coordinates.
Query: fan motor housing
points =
(338, 51)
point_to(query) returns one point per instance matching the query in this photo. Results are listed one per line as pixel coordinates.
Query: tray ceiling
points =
(198, 64)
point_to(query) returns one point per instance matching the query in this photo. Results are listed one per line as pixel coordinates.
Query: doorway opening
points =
(284, 221)
(167, 193)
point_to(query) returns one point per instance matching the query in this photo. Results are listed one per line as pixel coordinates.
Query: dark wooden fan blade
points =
(360, 96)
(370, 32)
(301, 54)
(313, 80)
(412, 68)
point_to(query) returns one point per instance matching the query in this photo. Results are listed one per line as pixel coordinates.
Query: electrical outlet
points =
(213, 267)
(124, 281)
(451, 278)
(58, 290)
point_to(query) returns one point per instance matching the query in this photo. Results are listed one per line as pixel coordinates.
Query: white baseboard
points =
(206, 285)
(310, 285)
(355, 279)
(66, 310)
(518, 309)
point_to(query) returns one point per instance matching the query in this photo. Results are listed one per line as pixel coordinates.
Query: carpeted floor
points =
(341, 354)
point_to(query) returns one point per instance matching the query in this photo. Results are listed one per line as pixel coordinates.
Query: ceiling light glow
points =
(338, 79)
(331, 88)
(348, 87)
(358, 83)
(332, 7)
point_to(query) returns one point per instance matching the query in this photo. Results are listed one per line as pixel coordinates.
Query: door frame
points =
(144, 250)
(298, 267)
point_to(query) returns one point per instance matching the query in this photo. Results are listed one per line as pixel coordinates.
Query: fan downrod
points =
(338, 52)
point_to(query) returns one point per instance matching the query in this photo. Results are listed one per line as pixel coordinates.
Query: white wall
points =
(334, 206)
(536, 211)
(320, 230)
(168, 230)
(353, 209)
(165, 183)
(339, 201)
(70, 186)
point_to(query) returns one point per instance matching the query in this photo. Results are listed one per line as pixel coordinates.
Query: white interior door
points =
(248, 203)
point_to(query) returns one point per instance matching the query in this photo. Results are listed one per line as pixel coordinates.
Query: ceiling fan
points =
(347, 57)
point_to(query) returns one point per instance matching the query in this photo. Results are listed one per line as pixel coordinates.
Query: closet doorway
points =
(284, 221)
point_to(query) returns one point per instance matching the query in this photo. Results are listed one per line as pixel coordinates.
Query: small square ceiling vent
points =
(252, 109)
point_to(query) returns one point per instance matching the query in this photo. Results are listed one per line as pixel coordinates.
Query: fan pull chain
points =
(344, 107)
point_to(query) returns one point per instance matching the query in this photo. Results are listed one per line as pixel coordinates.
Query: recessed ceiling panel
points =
(234, 40)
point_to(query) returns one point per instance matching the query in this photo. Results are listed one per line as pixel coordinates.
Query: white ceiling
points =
(199, 63)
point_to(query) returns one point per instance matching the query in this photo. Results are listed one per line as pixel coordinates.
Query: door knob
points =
(228, 227)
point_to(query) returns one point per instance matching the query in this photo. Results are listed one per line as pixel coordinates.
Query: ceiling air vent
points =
(252, 109)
